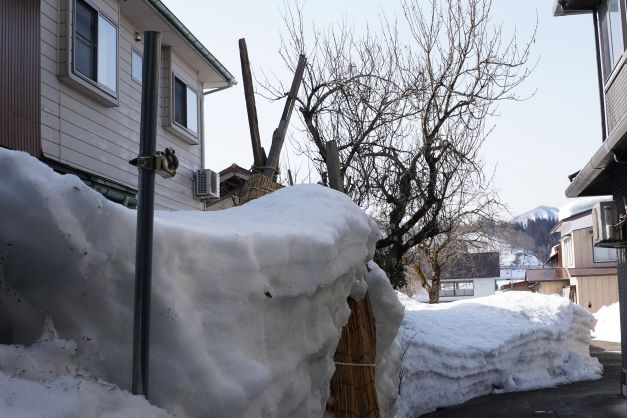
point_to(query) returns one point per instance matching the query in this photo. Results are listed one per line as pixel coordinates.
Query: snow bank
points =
(508, 342)
(248, 303)
(607, 324)
(43, 380)
(388, 313)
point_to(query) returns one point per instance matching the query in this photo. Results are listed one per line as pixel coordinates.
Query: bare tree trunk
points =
(434, 291)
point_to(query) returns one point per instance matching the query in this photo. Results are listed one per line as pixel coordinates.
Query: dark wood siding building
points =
(20, 69)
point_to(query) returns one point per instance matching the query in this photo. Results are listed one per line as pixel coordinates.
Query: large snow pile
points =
(508, 342)
(247, 304)
(607, 324)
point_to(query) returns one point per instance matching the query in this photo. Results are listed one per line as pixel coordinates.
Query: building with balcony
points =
(70, 91)
(606, 171)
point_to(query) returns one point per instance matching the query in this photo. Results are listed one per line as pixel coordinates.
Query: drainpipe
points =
(145, 213)
(597, 42)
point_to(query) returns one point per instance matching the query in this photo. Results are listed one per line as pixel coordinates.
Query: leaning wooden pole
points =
(278, 137)
(259, 159)
(353, 390)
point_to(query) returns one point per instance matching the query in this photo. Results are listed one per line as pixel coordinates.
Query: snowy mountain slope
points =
(541, 212)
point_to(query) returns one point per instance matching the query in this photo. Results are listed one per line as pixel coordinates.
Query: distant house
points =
(469, 275)
(584, 273)
(232, 180)
(70, 91)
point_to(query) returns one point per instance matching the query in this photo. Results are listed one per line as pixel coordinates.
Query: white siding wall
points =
(83, 133)
(482, 287)
(485, 286)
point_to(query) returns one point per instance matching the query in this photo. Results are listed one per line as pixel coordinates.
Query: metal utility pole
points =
(145, 211)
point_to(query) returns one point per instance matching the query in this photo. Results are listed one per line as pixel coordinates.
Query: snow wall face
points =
(247, 303)
(508, 342)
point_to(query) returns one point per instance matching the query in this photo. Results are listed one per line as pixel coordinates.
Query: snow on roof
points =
(579, 205)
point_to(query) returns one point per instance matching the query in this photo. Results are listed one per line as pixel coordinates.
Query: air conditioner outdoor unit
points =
(206, 184)
(605, 229)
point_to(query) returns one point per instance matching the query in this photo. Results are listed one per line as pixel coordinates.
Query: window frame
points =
(464, 292)
(141, 57)
(446, 293)
(455, 291)
(111, 94)
(595, 248)
(568, 251)
(174, 122)
(609, 62)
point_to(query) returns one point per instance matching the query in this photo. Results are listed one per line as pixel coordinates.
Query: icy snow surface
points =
(503, 343)
(248, 303)
(607, 325)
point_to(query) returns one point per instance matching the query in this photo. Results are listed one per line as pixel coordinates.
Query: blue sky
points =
(535, 144)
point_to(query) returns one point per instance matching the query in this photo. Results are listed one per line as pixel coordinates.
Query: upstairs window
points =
(185, 106)
(612, 46)
(567, 248)
(136, 66)
(95, 47)
(603, 255)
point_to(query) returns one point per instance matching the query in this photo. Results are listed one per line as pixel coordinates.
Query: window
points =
(136, 66)
(447, 289)
(603, 255)
(567, 247)
(465, 288)
(612, 47)
(185, 106)
(95, 47)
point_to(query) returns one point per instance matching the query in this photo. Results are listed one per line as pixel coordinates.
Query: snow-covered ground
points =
(508, 342)
(42, 380)
(247, 306)
(607, 324)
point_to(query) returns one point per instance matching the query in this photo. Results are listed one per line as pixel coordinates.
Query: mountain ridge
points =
(540, 212)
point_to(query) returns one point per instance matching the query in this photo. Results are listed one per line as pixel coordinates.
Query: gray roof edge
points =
(598, 163)
(176, 24)
(587, 7)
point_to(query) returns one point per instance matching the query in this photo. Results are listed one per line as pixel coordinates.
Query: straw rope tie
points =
(355, 364)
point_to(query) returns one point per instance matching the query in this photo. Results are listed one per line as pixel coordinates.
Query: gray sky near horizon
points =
(535, 144)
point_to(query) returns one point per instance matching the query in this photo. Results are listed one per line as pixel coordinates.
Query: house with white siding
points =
(79, 64)
(465, 276)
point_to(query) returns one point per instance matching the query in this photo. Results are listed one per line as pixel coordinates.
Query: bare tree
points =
(466, 228)
(352, 92)
(409, 116)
